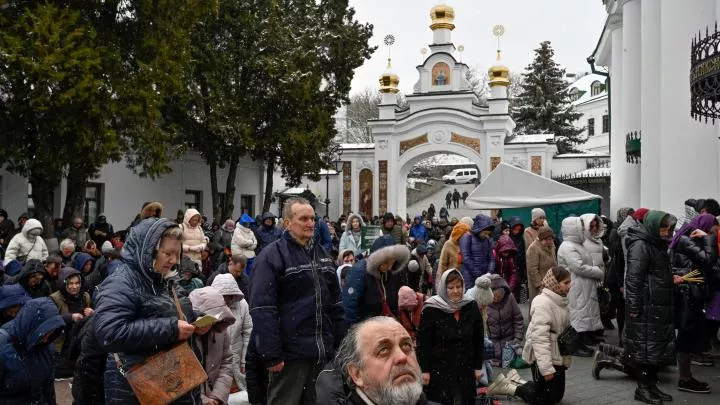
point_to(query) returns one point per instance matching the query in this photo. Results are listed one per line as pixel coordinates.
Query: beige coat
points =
(194, 240)
(539, 260)
(548, 318)
(243, 242)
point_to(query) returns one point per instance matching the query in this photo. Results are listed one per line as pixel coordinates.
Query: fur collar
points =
(399, 253)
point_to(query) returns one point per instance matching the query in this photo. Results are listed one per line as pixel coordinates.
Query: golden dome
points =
(442, 17)
(389, 81)
(499, 74)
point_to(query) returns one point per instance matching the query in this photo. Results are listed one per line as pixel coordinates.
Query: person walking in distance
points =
(296, 308)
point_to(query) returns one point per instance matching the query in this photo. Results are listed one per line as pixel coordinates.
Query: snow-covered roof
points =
(293, 191)
(584, 85)
(357, 146)
(532, 138)
(582, 155)
(595, 172)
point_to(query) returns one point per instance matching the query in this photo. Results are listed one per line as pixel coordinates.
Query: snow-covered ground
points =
(439, 200)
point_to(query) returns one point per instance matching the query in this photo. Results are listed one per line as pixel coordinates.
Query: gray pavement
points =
(439, 200)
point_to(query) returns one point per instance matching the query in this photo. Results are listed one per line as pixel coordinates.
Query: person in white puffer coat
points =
(28, 244)
(241, 329)
(194, 239)
(583, 298)
(594, 231)
(244, 241)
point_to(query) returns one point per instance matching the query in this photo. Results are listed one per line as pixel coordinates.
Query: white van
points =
(459, 176)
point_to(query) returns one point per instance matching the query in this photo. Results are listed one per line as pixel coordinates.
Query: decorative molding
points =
(472, 143)
(521, 163)
(411, 143)
(495, 140)
(439, 137)
(494, 162)
(382, 186)
(347, 187)
(365, 164)
(536, 164)
(382, 144)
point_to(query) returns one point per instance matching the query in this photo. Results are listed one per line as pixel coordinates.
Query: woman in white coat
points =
(240, 330)
(244, 241)
(594, 231)
(583, 298)
(28, 244)
(194, 239)
(351, 239)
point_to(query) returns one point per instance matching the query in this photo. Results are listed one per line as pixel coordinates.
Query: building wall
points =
(595, 109)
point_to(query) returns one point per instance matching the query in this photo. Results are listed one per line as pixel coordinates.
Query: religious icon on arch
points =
(441, 74)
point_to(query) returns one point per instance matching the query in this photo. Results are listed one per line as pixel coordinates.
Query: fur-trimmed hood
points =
(587, 219)
(348, 229)
(399, 253)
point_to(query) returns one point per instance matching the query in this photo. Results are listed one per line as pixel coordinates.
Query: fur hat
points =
(467, 221)
(545, 232)
(152, 209)
(407, 298)
(413, 266)
(107, 247)
(483, 293)
(537, 213)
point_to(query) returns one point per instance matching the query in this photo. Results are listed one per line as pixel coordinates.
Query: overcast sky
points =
(573, 27)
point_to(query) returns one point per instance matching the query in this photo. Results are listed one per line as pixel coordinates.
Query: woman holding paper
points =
(136, 315)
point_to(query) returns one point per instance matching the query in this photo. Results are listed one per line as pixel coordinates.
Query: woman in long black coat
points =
(451, 343)
(649, 327)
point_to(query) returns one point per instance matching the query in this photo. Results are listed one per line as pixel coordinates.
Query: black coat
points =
(451, 351)
(615, 277)
(519, 240)
(649, 328)
(135, 313)
(257, 375)
(87, 386)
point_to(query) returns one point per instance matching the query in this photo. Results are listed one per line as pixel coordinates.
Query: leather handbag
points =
(165, 376)
(568, 341)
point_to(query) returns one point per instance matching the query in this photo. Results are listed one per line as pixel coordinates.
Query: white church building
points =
(663, 151)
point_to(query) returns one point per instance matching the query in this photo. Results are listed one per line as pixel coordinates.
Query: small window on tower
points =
(441, 74)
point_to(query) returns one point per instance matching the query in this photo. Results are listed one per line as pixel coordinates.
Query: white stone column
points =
(650, 104)
(630, 94)
(689, 148)
(617, 146)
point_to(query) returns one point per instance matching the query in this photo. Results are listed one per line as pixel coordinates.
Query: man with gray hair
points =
(377, 360)
(296, 308)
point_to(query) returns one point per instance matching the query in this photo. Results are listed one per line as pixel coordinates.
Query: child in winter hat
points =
(537, 213)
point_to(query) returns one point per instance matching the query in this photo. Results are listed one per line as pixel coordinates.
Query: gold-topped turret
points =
(389, 81)
(499, 74)
(443, 17)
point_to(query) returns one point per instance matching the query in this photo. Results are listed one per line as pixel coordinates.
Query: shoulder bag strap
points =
(181, 316)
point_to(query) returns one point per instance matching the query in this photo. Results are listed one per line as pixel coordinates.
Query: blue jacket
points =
(10, 296)
(362, 295)
(135, 313)
(295, 303)
(26, 364)
(322, 234)
(477, 254)
(418, 231)
(267, 235)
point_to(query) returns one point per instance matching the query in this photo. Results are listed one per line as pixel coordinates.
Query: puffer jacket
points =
(31, 267)
(68, 304)
(217, 356)
(539, 260)
(91, 279)
(194, 240)
(87, 386)
(477, 254)
(582, 298)
(267, 234)
(548, 319)
(519, 240)
(418, 231)
(622, 231)
(10, 296)
(135, 313)
(26, 364)
(24, 246)
(507, 266)
(242, 328)
(593, 243)
(347, 241)
(505, 322)
(397, 234)
(365, 285)
(295, 303)
(649, 328)
(243, 242)
(449, 256)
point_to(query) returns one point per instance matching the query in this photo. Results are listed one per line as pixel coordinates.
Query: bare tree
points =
(363, 107)
(478, 84)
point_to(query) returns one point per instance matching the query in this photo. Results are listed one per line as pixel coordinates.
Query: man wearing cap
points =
(531, 232)
(389, 227)
(100, 231)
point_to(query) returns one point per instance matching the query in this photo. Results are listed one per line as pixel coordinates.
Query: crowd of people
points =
(305, 310)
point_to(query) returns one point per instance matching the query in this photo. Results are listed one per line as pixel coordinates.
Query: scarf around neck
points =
(442, 300)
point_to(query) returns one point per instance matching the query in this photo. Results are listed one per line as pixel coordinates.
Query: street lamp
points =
(337, 163)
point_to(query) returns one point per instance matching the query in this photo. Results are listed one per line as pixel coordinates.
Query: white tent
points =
(511, 187)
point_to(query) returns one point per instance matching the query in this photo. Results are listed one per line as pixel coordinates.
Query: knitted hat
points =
(537, 213)
(467, 221)
(413, 266)
(407, 298)
(483, 293)
(640, 213)
(107, 247)
(545, 232)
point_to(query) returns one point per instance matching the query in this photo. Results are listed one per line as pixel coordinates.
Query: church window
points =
(596, 88)
(441, 74)
(591, 126)
(605, 124)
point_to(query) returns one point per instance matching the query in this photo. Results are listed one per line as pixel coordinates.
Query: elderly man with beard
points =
(377, 359)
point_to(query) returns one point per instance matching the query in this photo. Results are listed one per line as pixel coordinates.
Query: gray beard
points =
(388, 394)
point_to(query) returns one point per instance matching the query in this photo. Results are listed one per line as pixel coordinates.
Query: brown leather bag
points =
(165, 376)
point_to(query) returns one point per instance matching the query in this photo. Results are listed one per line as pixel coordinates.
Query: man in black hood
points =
(32, 279)
(389, 227)
(267, 233)
(100, 230)
(7, 228)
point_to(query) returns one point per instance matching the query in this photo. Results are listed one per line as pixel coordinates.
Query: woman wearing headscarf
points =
(450, 254)
(690, 250)
(222, 238)
(540, 258)
(194, 240)
(649, 339)
(593, 244)
(451, 343)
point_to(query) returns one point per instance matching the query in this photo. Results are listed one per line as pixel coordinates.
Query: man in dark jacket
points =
(296, 307)
(7, 228)
(100, 230)
(32, 279)
(476, 249)
(372, 286)
(26, 359)
(376, 378)
(389, 227)
(321, 234)
(268, 232)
